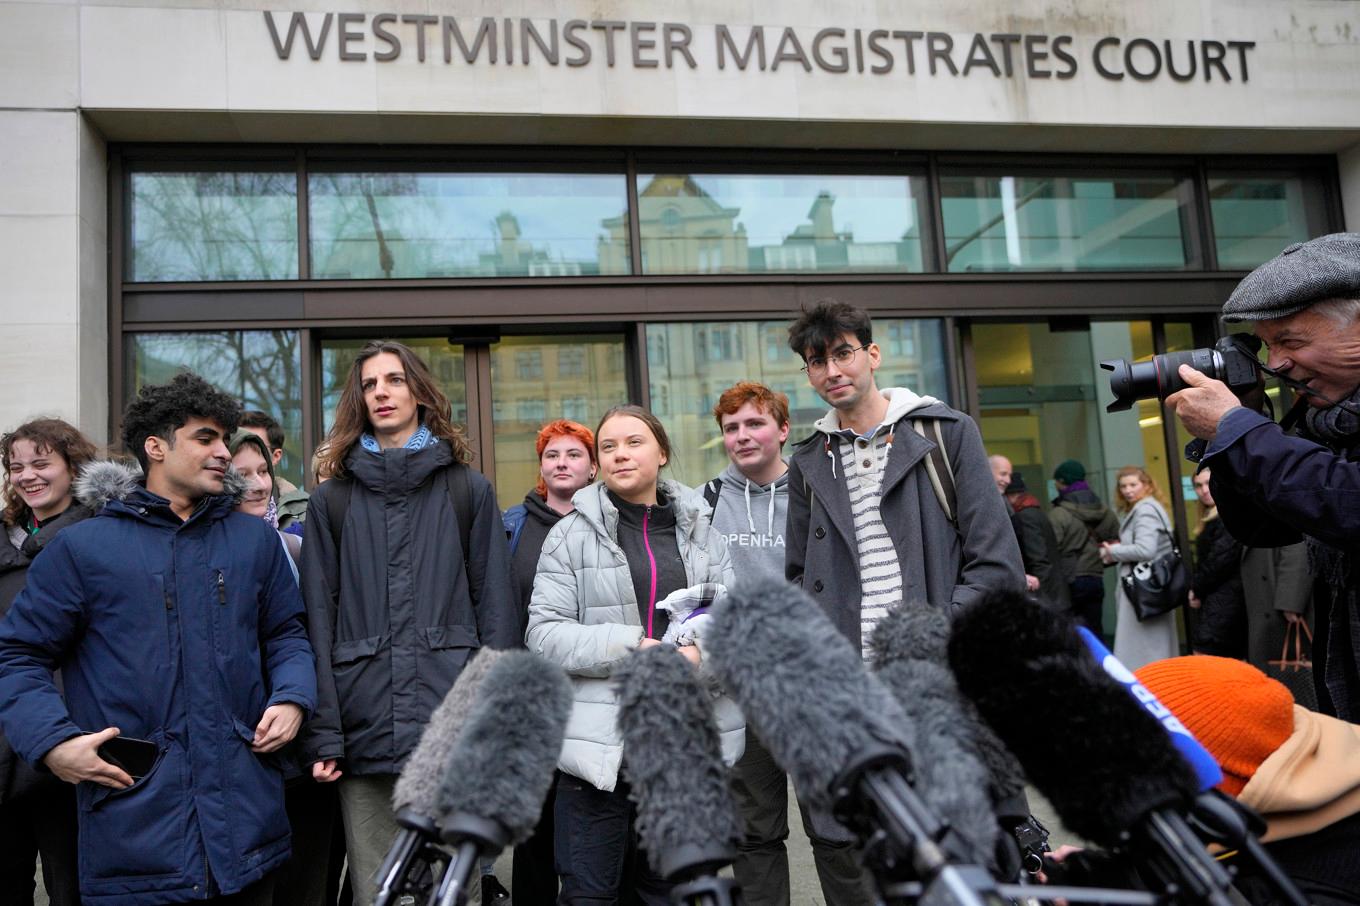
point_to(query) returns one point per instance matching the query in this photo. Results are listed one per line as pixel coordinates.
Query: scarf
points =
(418, 441)
(1335, 425)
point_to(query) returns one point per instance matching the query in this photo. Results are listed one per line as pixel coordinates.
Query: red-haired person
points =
(566, 464)
(750, 503)
(37, 811)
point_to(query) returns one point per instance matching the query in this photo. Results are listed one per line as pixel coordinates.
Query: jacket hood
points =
(1083, 504)
(733, 479)
(398, 470)
(106, 480)
(1311, 781)
(536, 508)
(901, 402)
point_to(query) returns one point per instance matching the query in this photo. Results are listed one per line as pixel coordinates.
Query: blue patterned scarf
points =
(419, 441)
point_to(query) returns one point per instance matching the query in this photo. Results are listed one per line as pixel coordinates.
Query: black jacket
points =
(1217, 582)
(395, 613)
(1039, 550)
(1273, 489)
(16, 777)
(537, 518)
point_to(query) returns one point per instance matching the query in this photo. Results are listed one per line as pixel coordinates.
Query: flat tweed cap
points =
(1324, 268)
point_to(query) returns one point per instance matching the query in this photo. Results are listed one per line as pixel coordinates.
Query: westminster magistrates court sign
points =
(575, 43)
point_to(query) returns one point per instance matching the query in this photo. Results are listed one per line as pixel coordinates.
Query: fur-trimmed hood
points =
(106, 480)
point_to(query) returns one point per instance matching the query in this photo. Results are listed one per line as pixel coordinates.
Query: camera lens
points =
(1159, 377)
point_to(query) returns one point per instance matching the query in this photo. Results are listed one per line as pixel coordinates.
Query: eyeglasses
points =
(842, 357)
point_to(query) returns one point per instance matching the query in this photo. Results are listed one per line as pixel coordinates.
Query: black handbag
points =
(1160, 585)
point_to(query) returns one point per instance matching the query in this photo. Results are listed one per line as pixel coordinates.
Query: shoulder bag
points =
(1160, 585)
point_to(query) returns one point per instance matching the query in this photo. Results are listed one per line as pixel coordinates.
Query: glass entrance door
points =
(504, 391)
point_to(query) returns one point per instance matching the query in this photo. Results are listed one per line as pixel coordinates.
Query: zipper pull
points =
(169, 604)
(221, 588)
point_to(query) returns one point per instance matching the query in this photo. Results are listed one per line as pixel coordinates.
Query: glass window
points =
(212, 226)
(261, 368)
(1256, 215)
(524, 399)
(384, 225)
(1064, 222)
(713, 224)
(686, 384)
(444, 359)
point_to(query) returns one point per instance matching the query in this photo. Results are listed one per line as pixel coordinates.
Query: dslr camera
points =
(1232, 360)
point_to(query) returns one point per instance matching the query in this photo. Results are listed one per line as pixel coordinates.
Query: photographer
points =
(1272, 487)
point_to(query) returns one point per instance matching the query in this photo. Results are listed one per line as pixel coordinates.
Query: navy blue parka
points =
(1272, 489)
(180, 632)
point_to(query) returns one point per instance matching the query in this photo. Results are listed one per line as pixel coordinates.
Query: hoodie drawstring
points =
(750, 522)
(770, 530)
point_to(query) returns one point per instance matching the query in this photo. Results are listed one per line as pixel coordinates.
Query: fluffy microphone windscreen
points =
(908, 648)
(1099, 758)
(801, 684)
(672, 755)
(417, 787)
(502, 764)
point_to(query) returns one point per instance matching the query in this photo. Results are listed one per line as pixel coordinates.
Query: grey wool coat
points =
(943, 563)
(1144, 534)
(583, 614)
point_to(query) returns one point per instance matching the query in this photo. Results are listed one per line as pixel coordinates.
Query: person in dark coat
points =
(1274, 488)
(392, 603)
(1216, 586)
(1081, 521)
(1277, 591)
(1038, 546)
(176, 620)
(566, 464)
(42, 459)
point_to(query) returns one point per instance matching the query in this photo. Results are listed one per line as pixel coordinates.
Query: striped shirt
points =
(862, 461)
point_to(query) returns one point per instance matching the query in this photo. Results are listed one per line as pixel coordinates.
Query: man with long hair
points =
(405, 572)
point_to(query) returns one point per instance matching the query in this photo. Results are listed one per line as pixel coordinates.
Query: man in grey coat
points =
(893, 482)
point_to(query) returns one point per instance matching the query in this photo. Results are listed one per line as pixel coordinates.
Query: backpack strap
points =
(459, 488)
(711, 492)
(938, 467)
(340, 509)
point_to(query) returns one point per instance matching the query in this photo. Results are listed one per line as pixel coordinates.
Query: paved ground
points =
(804, 878)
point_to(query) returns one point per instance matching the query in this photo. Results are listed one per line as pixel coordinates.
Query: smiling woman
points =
(37, 812)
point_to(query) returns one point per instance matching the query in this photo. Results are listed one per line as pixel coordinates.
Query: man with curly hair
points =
(175, 621)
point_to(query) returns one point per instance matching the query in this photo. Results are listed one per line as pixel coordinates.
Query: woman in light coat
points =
(631, 541)
(1144, 534)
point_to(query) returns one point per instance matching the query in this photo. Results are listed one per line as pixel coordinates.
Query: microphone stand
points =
(1223, 820)
(693, 868)
(471, 837)
(1170, 851)
(901, 837)
(414, 846)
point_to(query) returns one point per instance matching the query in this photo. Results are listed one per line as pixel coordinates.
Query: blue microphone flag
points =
(1204, 765)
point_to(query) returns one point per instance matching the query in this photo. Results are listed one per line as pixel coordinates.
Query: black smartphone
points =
(136, 756)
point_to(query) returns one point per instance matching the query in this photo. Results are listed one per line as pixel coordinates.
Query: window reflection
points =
(1256, 215)
(697, 362)
(213, 226)
(388, 225)
(535, 379)
(712, 224)
(1064, 222)
(261, 368)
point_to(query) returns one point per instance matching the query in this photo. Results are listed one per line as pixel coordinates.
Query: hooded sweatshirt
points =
(752, 519)
(858, 460)
(1308, 790)
(1080, 521)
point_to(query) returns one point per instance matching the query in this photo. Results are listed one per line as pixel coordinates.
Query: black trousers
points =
(42, 821)
(597, 852)
(1088, 602)
(533, 878)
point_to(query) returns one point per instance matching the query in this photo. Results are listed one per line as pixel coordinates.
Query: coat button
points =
(820, 533)
(868, 463)
(818, 586)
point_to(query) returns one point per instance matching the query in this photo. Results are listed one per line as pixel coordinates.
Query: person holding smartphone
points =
(176, 621)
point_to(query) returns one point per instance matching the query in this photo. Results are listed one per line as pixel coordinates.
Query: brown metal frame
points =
(541, 305)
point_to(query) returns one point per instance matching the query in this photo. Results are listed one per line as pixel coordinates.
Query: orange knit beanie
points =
(1236, 712)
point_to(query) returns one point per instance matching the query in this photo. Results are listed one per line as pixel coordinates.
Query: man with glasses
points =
(892, 481)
